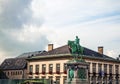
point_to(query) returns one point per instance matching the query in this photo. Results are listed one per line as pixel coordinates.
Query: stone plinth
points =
(77, 72)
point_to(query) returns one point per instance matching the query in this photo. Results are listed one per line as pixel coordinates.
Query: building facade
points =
(14, 68)
(51, 65)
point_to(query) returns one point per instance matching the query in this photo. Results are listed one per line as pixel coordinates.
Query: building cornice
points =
(101, 59)
(71, 56)
(49, 56)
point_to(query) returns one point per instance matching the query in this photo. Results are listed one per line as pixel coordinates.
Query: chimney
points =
(118, 58)
(50, 47)
(100, 49)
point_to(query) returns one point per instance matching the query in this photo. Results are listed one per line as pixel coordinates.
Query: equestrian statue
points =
(76, 48)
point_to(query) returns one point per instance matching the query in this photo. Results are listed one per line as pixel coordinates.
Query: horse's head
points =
(70, 43)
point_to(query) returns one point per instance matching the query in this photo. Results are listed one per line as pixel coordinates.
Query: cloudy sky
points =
(29, 25)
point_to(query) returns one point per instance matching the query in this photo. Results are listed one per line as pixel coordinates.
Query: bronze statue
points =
(71, 74)
(75, 46)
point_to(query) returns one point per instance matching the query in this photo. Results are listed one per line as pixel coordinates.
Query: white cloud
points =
(95, 23)
(20, 28)
(41, 22)
(111, 53)
(3, 56)
(37, 7)
(58, 12)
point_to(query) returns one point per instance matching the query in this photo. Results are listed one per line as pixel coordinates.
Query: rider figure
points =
(77, 43)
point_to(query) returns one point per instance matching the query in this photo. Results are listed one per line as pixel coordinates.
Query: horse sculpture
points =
(75, 46)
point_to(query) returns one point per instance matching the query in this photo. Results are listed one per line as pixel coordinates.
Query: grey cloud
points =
(16, 13)
(13, 47)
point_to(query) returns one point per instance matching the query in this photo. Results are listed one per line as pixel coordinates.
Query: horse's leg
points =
(81, 51)
(75, 56)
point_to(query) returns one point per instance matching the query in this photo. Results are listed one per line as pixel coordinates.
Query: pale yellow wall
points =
(16, 76)
(103, 62)
(62, 61)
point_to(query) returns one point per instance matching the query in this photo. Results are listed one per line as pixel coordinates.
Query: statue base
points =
(80, 69)
(78, 81)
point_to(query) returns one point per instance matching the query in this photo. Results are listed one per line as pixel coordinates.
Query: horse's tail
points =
(82, 50)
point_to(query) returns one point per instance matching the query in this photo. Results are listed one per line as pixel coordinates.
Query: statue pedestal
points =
(77, 72)
(79, 81)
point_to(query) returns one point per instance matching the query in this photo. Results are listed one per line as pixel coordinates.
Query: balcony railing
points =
(50, 72)
(57, 72)
(36, 73)
(43, 72)
(30, 73)
(65, 72)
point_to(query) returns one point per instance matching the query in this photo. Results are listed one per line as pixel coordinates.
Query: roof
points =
(66, 50)
(14, 64)
(21, 63)
(18, 62)
(60, 50)
(92, 53)
(30, 54)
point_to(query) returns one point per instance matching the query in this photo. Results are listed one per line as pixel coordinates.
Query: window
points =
(58, 68)
(94, 67)
(110, 68)
(65, 67)
(64, 79)
(57, 79)
(50, 68)
(8, 73)
(30, 69)
(20, 72)
(37, 69)
(16, 73)
(105, 68)
(99, 68)
(117, 69)
(88, 67)
(11, 73)
(51, 79)
(43, 68)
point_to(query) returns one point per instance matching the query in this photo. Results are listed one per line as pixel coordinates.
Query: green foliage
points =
(39, 81)
(24, 81)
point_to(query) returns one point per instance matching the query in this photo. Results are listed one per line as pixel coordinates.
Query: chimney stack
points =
(100, 49)
(50, 47)
(118, 58)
